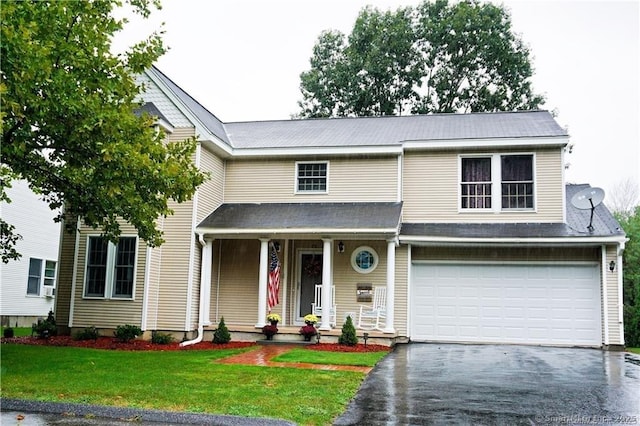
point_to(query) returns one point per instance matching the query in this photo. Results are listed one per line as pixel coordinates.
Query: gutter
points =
(200, 334)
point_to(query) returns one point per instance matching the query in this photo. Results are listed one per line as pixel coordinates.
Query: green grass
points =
(363, 359)
(634, 350)
(19, 331)
(188, 381)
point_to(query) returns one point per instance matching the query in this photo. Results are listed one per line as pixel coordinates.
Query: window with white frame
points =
(517, 181)
(481, 189)
(41, 272)
(311, 177)
(476, 183)
(110, 268)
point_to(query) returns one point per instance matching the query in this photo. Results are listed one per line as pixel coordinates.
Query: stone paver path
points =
(262, 355)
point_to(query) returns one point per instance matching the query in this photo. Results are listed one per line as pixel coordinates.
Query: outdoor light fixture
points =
(318, 337)
(276, 245)
(365, 336)
(340, 247)
(612, 266)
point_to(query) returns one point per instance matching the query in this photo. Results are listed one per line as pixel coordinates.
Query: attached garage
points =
(533, 303)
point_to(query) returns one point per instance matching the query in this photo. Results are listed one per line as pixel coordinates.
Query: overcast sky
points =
(242, 59)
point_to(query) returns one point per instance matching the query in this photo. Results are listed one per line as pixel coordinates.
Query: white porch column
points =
(205, 280)
(262, 282)
(327, 262)
(391, 286)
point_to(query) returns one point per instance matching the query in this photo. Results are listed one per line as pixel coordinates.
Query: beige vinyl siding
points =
(402, 290)
(610, 286)
(238, 289)
(431, 187)
(108, 313)
(533, 254)
(210, 193)
(65, 277)
(153, 291)
(350, 179)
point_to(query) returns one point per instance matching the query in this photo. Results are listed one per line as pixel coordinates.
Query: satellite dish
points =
(586, 199)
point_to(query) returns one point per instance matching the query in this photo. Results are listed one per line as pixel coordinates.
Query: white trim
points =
(503, 262)
(297, 177)
(399, 190)
(510, 143)
(427, 240)
(620, 266)
(304, 231)
(395, 149)
(409, 286)
(109, 287)
(297, 318)
(192, 248)
(358, 269)
(284, 280)
(605, 289)
(147, 283)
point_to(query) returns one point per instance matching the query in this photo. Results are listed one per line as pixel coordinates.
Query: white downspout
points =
(205, 271)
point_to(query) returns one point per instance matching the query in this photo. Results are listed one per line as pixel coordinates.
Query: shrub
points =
(161, 338)
(269, 330)
(89, 333)
(221, 334)
(8, 332)
(126, 333)
(45, 328)
(348, 336)
(308, 331)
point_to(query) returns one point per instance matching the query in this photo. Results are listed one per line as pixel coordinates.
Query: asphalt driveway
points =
(422, 383)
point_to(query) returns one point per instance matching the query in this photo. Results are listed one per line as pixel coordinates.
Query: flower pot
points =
(307, 338)
(274, 323)
(269, 336)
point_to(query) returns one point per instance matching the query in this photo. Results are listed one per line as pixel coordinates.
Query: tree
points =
(631, 277)
(69, 123)
(624, 198)
(437, 58)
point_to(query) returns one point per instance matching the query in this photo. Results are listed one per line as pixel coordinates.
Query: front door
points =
(310, 275)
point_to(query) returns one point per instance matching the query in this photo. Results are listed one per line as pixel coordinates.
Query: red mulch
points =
(112, 343)
(145, 345)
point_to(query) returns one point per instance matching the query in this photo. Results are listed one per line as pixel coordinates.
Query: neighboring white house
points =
(28, 284)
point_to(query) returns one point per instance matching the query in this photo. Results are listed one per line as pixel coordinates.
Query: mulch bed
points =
(145, 345)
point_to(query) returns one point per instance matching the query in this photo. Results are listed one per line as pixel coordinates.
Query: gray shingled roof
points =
(347, 216)
(209, 120)
(604, 225)
(391, 130)
(152, 110)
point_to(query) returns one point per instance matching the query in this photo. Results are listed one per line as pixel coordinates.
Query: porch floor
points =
(262, 354)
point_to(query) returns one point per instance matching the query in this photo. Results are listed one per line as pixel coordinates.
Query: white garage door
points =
(506, 303)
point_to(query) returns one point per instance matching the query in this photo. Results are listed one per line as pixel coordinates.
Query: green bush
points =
(89, 333)
(221, 334)
(8, 332)
(161, 338)
(126, 333)
(348, 336)
(45, 328)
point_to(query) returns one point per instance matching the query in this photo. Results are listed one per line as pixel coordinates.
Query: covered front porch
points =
(332, 254)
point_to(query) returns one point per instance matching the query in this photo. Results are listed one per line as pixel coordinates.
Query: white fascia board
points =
(426, 240)
(201, 129)
(270, 231)
(493, 143)
(314, 150)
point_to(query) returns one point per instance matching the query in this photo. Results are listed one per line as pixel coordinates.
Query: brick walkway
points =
(262, 355)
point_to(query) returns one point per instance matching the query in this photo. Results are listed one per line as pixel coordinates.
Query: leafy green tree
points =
(69, 123)
(436, 58)
(631, 278)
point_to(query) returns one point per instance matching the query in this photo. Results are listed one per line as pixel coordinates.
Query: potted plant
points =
(274, 319)
(309, 330)
(269, 330)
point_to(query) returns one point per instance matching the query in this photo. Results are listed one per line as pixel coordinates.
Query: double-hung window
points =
(110, 270)
(311, 177)
(41, 272)
(497, 182)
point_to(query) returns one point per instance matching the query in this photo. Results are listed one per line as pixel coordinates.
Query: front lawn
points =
(188, 381)
(20, 331)
(634, 350)
(367, 359)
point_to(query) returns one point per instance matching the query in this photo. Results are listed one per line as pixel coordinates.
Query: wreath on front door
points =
(313, 267)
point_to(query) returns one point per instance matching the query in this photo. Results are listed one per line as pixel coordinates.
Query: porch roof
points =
(304, 218)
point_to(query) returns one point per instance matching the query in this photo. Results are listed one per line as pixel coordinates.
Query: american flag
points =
(274, 279)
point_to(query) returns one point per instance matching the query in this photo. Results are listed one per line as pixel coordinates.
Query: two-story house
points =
(464, 220)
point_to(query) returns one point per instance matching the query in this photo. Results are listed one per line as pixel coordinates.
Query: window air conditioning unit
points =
(49, 291)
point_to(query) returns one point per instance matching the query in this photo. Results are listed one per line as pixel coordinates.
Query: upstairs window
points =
(497, 182)
(311, 177)
(476, 183)
(517, 181)
(110, 268)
